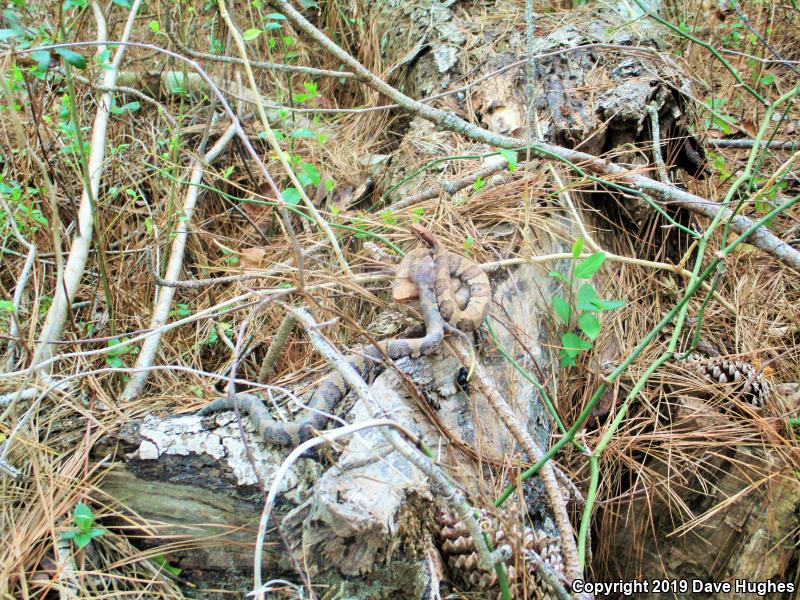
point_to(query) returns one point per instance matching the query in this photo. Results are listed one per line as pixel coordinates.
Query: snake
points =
(430, 271)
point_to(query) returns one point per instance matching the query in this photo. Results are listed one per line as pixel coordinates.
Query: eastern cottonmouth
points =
(431, 274)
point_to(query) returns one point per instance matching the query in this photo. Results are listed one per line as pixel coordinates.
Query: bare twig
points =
(232, 60)
(557, 502)
(655, 128)
(163, 305)
(19, 289)
(81, 244)
(447, 491)
(780, 59)
(273, 142)
(747, 144)
(449, 187)
(762, 238)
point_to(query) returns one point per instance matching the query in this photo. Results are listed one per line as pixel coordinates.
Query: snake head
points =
(423, 272)
(423, 235)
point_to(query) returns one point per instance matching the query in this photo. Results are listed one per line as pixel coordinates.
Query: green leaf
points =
(13, 21)
(590, 266)
(276, 17)
(123, 3)
(131, 106)
(586, 298)
(589, 325)
(558, 276)
(162, 562)
(251, 34)
(308, 3)
(302, 132)
(566, 360)
(83, 538)
(154, 26)
(310, 173)
(291, 196)
(7, 306)
(68, 535)
(479, 184)
(608, 304)
(562, 309)
(572, 344)
(768, 79)
(176, 82)
(272, 27)
(7, 34)
(577, 247)
(83, 517)
(469, 242)
(42, 58)
(76, 60)
(511, 158)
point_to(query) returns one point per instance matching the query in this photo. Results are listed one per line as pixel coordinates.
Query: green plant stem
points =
(705, 45)
(613, 185)
(697, 326)
(533, 381)
(754, 152)
(583, 531)
(681, 310)
(691, 290)
(83, 168)
(499, 569)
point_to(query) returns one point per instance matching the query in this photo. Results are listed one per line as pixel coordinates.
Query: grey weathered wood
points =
(363, 524)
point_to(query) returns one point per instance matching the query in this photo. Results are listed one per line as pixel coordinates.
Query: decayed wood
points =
(742, 532)
(195, 484)
(364, 524)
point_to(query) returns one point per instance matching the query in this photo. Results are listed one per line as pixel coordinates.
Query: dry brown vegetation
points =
(655, 453)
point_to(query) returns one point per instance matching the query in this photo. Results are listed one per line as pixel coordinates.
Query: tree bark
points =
(365, 525)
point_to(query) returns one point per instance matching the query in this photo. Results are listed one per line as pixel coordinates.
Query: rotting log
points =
(361, 525)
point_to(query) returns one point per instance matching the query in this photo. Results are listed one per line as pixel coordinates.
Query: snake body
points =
(449, 265)
(426, 272)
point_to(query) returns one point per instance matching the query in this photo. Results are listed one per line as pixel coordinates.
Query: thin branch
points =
(441, 484)
(557, 502)
(273, 142)
(655, 128)
(232, 60)
(19, 289)
(161, 311)
(772, 145)
(81, 244)
(755, 32)
(761, 238)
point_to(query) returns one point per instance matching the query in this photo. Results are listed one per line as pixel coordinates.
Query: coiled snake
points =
(430, 268)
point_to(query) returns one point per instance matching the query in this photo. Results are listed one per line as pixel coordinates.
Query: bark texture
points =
(364, 524)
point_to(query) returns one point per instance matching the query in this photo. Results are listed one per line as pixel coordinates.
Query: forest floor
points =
(82, 389)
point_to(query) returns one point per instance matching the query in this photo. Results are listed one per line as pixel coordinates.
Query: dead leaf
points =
(749, 126)
(252, 258)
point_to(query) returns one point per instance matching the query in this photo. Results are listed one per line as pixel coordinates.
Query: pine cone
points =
(459, 551)
(747, 384)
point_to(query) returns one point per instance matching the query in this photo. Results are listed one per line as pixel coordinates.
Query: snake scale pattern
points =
(430, 271)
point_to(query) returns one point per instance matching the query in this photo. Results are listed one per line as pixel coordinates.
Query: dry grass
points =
(660, 452)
